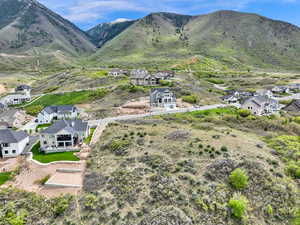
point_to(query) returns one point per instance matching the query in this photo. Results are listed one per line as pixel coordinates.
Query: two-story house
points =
(64, 135)
(59, 112)
(162, 98)
(143, 78)
(21, 95)
(118, 72)
(12, 143)
(261, 105)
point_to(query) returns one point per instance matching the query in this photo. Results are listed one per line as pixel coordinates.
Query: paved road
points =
(286, 98)
(32, 141)
(31, 125)
(101, 124)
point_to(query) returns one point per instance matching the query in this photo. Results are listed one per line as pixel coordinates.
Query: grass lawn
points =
(52, 157)
(42, 126)
(70, 98)
(5, 177)
(89, 138)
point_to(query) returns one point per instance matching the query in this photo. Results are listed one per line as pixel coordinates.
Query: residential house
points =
(165, 75)
(50, 113)
(14, 118)
(23, 89)
(118, 72)
(12, 143)
(163, 98)
(264, 92)
(64, 135)
(232, 97)
(293, 107)
(143, 78)
(22, 94)
(281, 89)
(294, 88)
(15, 98)
(261, 105)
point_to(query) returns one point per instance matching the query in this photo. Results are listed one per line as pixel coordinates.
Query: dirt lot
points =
(32, 173)
(2, 89)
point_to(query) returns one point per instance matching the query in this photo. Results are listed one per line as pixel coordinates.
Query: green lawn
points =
(52, 157)
(5, 177)
(42, 126)
(89, 138)
(71, 98)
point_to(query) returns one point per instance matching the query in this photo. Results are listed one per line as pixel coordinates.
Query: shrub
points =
(238, 205)
(238, 179)
(224, 149)
(269, 210)
(34, 110)
(193, 99)
(244, 112)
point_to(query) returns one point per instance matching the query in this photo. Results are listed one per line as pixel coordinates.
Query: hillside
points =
(104, 32)
(29, 29)
(230, 37)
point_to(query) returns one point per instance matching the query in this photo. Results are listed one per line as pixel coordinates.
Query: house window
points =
(6, 145)
(45, 142)
(6, 152)
(14, 151)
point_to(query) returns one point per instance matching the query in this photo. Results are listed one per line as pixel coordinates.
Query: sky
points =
(88, 13)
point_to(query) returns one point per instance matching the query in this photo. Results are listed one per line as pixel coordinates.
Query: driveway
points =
(32, 141)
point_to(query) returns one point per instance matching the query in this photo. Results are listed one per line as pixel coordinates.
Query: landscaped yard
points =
(70, 98)
(52, 157)
(5, 177)
(89, 138)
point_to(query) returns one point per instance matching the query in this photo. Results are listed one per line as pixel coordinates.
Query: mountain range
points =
(29, 29)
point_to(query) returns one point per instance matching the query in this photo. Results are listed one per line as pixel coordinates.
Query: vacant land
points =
(135, 175)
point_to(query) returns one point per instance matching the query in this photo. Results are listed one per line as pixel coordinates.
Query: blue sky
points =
(88, 13)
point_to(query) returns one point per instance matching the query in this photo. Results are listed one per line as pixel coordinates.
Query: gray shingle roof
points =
(11, 136)
(139, 73)
(23, 87)
(59, 109)
(71, 126)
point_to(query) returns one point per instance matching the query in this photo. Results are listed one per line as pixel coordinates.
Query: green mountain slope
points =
(230, 37)
(25, 24)
(104, 32)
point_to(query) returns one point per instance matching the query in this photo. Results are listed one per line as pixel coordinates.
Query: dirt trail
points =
(2, 89)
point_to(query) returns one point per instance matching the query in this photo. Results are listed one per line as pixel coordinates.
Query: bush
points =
(34, 110)
(224, 149)
(269, 210)
(193, 99)
(244, 112)
(238, 179)
(238, 205)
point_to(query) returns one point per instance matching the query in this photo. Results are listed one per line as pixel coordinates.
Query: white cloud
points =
(89, 11)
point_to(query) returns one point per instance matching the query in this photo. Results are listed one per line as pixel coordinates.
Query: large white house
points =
(50, 113)
(162, 98)
(22, 94)
(12, 143)
(64, 135)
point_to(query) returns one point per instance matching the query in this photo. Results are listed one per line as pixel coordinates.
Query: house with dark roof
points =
(59, 112)
(293, 107)
(165, 75)
(23, 88)
(64, 135)
(12, 143)
(162, 98)
(21, 95)
(143, 78)
(118, 72)
(261, 105)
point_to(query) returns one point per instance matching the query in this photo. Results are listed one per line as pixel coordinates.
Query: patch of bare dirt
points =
(2, 89)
